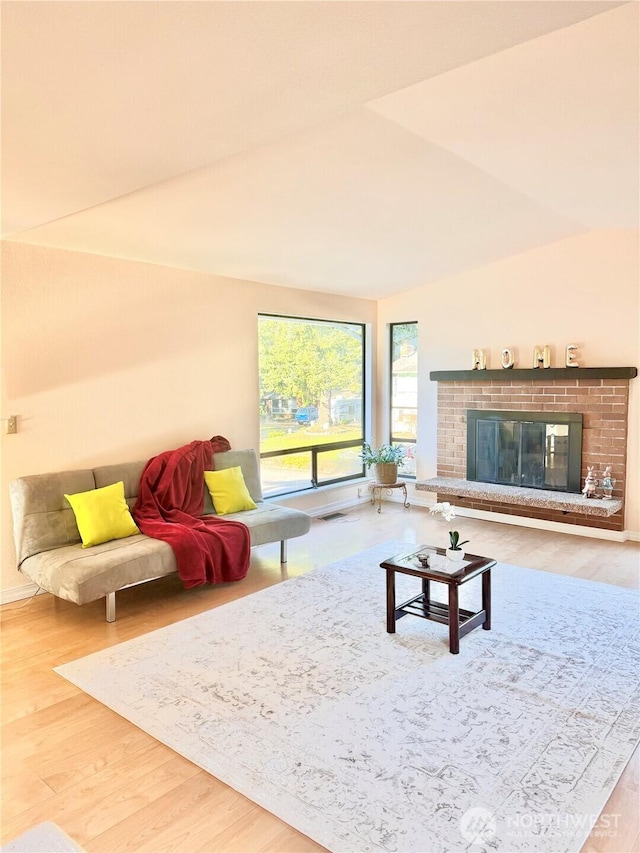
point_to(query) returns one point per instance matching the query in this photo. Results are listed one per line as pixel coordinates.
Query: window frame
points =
(392, 439)
(317, 449)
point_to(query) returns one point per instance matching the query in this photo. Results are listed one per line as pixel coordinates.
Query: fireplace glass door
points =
(535, 450)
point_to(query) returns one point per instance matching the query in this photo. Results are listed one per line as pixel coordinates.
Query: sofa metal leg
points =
(111, 606)
(283, 551)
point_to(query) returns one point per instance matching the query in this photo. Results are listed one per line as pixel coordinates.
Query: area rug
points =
(46, 837)
(298, 698)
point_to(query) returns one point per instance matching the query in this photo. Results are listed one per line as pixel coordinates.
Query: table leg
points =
(454, 620)
(426, 594)
(406, 499)
(391, 601)
(486, 599)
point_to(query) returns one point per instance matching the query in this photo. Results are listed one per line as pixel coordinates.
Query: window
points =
(404, 391)
(312, 403)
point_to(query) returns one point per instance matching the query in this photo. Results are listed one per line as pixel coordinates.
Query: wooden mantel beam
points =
(534, 374)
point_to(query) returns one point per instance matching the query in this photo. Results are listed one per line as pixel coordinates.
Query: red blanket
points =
(170, 503)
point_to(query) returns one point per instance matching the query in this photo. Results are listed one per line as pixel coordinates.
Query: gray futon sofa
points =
(49, 549)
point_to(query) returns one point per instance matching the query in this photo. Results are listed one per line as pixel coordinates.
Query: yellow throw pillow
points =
(102, 515)
(228, 490)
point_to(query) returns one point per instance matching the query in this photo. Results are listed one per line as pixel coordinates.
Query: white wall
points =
(583, 290)
(106, 360)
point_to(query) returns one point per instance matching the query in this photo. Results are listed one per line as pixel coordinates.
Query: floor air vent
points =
(332, 516)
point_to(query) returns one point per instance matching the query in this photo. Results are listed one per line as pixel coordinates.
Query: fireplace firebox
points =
(538, 450)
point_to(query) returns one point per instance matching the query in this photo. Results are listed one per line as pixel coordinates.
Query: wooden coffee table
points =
(460, 621)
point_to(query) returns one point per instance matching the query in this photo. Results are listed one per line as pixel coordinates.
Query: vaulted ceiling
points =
(361, 148)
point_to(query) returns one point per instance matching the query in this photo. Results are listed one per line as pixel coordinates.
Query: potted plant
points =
(454, 551)
(448, 513)
(384, 460)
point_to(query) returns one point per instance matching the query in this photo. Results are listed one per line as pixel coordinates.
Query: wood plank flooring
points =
(68, 759)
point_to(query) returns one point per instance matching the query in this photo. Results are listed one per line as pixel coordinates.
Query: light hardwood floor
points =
(68, 759)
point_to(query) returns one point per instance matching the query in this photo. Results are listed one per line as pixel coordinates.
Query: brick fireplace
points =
(601, 395)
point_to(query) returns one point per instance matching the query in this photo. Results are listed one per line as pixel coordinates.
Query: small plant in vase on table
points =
(448, 513)
(454, 551)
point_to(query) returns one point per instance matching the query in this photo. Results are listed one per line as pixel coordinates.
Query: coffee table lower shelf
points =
(438, 611)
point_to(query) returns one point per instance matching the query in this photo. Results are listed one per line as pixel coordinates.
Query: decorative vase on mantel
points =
(385, 473)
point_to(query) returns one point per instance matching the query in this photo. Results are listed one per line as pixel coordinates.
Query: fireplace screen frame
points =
(574, 455)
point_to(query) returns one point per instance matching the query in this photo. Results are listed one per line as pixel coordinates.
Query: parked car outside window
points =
(307, 415)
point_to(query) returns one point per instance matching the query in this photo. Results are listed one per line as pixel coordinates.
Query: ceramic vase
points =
(455, 556)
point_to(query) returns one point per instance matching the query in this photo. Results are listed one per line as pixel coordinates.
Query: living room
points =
(485, 188)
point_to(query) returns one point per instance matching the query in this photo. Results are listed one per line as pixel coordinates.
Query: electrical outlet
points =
(359, 491)
(12, 424)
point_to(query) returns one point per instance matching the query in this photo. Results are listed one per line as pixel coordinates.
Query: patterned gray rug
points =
(44, 838)
(297, 697)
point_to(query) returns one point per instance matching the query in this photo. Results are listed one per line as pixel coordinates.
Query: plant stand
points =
(378, 489)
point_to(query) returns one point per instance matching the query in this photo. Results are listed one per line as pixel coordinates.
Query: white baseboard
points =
(336, 506)
(17, 593)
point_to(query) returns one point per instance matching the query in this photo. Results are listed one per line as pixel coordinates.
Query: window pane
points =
(404, 391)
(336, 464)
(311, 395)
(408, 467)
(281, 474)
